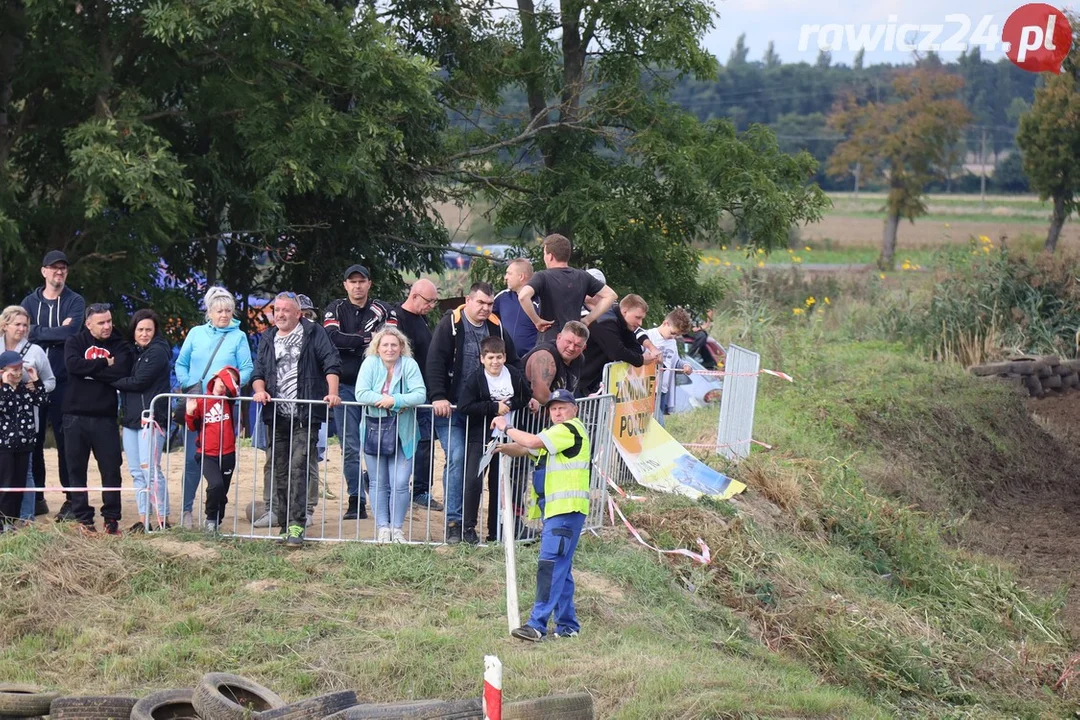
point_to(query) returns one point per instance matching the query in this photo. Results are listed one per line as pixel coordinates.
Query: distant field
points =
(953, 219)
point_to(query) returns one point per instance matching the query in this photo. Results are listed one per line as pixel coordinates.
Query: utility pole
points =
(858, 171)
(982, 172)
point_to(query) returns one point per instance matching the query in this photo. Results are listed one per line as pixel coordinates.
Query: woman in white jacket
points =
(15, 326)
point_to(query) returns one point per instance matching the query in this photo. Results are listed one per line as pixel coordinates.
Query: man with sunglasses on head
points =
(95, 357)
(56, 314)
(411, 317)
(350, 322)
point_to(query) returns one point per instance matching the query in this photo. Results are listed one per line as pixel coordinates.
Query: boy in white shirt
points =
(663, 338)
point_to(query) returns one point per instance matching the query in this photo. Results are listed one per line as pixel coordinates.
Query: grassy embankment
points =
(836, 590)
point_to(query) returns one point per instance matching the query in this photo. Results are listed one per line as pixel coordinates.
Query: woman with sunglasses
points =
(206, 350)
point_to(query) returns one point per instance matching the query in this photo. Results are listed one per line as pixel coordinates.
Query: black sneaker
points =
(361, 511)
(453, 533)
(137, 528)
(41, 508)
(471, 537)
(112, 527)
(295, 536)
(65, 514)
(527, 632)
(352, 513)
(424, 501)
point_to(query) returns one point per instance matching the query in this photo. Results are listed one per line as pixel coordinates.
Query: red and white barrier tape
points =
(767, 446)
(721, 373)
(704, 557)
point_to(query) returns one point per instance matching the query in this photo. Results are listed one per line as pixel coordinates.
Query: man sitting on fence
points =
(296, 361)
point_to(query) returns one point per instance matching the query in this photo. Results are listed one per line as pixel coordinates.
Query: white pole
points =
(513, 616)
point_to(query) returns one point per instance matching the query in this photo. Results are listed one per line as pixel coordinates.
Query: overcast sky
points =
(782, 21)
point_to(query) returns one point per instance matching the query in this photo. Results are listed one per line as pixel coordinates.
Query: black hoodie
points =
(149, 378)
(89, 390)
(47, 327)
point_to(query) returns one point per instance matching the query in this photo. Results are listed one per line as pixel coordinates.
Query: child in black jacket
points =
(18, 431)
(495, 390)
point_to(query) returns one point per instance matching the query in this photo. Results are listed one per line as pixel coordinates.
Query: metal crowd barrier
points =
(303, 453)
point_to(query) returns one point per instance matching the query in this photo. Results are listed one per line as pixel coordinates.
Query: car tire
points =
(315, 708)
(18, 700)
(385, 711)
(165, 705)
(91, 707)
(222, 696)
(578, 706)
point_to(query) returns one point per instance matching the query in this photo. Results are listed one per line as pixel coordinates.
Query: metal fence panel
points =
(737, 402)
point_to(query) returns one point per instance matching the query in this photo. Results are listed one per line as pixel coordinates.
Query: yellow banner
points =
(655, 458)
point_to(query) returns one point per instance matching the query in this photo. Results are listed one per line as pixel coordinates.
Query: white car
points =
(694, 390)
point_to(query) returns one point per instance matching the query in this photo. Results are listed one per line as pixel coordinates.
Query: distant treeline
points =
(795, 98)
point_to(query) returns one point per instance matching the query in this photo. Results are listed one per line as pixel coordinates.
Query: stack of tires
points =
(1039, 375)
(221, 696)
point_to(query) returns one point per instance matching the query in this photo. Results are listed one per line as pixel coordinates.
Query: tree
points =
(771, 59)
(906, 141)
(1049, 138)
(1009, 176)
(598, 152)
(210, 136)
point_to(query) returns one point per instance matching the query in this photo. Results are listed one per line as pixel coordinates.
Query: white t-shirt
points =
(500, 387)
(669, 358)
(287, 356)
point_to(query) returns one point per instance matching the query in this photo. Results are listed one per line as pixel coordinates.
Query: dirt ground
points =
(1035, 529)
(863, 232)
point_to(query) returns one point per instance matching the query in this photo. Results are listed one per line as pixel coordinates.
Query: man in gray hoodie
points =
(56, 314)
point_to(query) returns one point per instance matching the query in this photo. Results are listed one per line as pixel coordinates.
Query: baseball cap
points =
(305, 302)
(357, 269)
(598, 274)
(9, 358)
(52, 257)
(562, 395)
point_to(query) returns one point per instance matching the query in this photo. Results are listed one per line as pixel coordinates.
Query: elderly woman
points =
(206, 350)
(15, 326)
(390, 384)
(145, 438)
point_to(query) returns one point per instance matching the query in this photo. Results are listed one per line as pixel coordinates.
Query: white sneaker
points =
(384, 535)
(267, 520)
(186, 520)
(399, 536)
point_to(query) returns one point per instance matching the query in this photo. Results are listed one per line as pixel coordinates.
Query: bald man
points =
(411, 318)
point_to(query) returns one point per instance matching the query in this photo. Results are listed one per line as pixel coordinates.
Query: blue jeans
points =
(554, 576)
(389, 487)
(348, 419)
(451, 431)
(422, 457)
(29, 499)
(143, 451)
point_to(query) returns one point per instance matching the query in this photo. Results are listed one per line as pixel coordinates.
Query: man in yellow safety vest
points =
(561, 494)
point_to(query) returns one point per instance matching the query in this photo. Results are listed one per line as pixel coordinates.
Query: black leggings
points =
(218, 472)
(13, 467)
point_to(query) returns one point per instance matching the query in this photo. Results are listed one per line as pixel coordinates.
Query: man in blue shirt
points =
(508, 308)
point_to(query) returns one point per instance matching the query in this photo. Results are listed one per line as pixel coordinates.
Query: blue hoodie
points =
(200, 343)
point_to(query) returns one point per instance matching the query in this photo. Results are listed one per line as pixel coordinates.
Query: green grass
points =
(728, 258)
(128, 615)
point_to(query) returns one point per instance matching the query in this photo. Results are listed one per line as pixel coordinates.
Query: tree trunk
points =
(1056, 221)
(531, 45)
(888, 241)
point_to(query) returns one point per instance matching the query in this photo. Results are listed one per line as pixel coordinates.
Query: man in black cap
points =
(56, 314)
(350, 322)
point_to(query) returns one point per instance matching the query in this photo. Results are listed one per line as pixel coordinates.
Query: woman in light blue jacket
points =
(206, 350)
(390, 384)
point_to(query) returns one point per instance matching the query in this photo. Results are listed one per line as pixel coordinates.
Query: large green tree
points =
(592, 147)
(1049, 138)
(264, 144)
(906, 141)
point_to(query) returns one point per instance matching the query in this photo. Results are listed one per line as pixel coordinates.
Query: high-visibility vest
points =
(566, 477)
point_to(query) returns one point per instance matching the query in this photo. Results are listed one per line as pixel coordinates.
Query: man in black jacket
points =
(455, 354)
(612, 339)
(350, 323)
(95, 357)
(56, 313)
(296, 361)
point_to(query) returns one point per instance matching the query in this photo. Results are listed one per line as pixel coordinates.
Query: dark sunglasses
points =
(98, 308)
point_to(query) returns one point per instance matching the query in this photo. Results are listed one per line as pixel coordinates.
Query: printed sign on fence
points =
(655, 458)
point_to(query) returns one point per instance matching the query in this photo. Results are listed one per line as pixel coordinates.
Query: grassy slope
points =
(825, 600)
